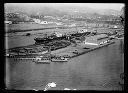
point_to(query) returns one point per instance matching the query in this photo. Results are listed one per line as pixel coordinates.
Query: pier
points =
(89, 50)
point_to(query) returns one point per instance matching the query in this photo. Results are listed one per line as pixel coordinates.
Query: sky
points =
(115, 6)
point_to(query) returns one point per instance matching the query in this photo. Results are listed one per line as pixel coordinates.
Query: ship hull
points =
(46, 40)
(59, 60)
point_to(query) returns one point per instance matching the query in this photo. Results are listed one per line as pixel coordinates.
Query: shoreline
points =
(29, 27)
(13, 31)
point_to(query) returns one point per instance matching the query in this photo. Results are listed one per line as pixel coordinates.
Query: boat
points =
(47, 39)
(59, 59)
(28, 34)
(42, 60)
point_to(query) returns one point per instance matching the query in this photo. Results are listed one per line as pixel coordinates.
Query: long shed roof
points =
(97, 36)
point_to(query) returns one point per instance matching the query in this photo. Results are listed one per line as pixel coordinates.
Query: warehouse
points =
(96, 39)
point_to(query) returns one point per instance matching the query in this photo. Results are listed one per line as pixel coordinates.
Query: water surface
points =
(99, 69)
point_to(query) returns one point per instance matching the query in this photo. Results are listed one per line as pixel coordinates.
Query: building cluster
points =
(41, 19)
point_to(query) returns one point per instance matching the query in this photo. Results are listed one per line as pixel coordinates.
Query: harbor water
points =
(97, 70)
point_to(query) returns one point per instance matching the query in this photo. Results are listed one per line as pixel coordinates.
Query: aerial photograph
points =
(64, 46)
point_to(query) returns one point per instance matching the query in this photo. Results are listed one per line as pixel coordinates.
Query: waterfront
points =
(83, 45)
(101, 70)
(18, 39)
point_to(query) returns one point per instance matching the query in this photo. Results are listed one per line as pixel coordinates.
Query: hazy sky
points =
(115, 6)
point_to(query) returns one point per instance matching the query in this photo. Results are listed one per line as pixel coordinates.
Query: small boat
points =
(28, 34)
(42, 60)
(59, 59)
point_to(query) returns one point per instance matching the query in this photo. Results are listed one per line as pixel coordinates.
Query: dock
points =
(89, 50)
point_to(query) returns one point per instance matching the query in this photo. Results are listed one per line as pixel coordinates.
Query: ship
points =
(47, 39)
(46, 60)
(59, 36)
(59, 59)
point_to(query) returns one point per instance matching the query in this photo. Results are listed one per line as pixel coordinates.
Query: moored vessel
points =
(42, 60)
(59, 59)
(52, 37)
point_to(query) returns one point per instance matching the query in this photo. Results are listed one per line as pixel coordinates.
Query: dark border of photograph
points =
(2, 63)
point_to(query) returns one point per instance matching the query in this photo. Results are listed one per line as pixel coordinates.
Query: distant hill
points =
(109, 12)
(59, 10)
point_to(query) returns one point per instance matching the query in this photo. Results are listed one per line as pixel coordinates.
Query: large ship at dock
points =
(58, 36)
(47, 38)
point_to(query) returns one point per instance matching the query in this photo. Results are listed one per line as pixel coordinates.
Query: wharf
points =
(33, 57)
(34, 50)
(89, 50)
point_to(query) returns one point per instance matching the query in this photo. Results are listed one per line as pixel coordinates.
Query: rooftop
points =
(95, 37)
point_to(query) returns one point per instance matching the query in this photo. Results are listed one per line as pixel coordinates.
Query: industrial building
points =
(96, 40)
